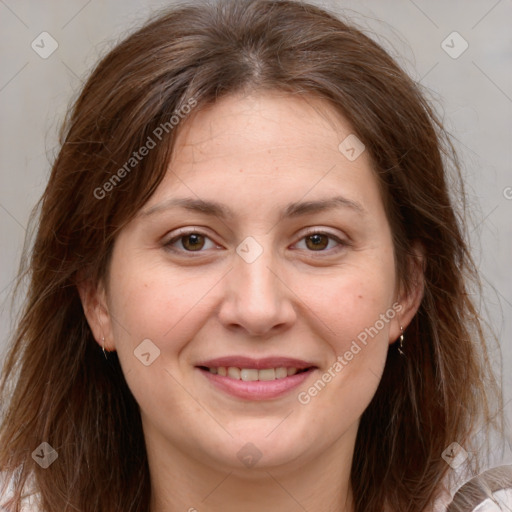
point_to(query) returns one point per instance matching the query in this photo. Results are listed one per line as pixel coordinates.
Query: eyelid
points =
(342, 241)
(323, 231)
(182, 232)
(189, 230)
(341, 238)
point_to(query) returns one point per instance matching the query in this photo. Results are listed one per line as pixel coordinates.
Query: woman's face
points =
(266, 249)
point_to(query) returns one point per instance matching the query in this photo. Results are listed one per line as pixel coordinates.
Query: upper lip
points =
(259, 364)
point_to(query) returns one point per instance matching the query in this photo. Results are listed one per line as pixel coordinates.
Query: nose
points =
(257, 298)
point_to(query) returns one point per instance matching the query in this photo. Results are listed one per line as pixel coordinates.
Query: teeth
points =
(234, 373)
(252, 374)
(267, 374)
(247, 375)
(281, 373)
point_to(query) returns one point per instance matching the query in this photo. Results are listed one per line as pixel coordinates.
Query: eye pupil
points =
(318, 240)
(196, 241)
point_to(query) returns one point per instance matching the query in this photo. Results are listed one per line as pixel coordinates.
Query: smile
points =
(253, 374)
(256, 379)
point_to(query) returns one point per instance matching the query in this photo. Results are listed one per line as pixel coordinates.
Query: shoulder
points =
(501, 500)
(490, 491)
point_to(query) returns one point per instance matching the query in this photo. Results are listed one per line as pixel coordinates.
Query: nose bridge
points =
(254, 257)
(255, 279)
(257, 299)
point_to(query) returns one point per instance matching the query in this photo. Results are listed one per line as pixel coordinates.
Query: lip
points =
(258, 364)
(256, 390)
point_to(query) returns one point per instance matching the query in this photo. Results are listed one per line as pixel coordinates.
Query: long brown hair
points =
(58, 387)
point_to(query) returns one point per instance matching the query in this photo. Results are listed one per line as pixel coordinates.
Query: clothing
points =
(501, 500)
(489, 491)
(30, 502)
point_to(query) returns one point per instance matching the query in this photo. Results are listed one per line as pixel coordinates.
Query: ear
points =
(409, 298)
(94, 302)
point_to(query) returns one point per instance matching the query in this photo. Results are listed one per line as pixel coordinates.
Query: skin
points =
(254, 154)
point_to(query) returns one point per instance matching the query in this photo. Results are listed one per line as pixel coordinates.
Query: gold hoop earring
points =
(401, 342)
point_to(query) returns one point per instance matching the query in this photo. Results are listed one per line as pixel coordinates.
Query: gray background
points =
(473, 93)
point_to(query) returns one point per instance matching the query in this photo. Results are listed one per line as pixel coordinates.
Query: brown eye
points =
(317, 242)
(321, 242)
(192, 241)
(189, 241)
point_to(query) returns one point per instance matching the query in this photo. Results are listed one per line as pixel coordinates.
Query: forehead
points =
(272, 122)
(267, 149)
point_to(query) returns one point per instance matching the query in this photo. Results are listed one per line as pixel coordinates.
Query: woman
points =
(248, 287)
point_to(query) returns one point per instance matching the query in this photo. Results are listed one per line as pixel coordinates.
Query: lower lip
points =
(257, 390)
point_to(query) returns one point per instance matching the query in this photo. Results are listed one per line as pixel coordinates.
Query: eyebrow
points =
(216, 209)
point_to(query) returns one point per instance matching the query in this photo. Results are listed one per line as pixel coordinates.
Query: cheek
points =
(149, 302)
(351, 302)
(158, 303)
(355, 307)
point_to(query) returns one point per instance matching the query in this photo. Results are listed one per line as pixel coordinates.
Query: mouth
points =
(256, 379)
(253, 374)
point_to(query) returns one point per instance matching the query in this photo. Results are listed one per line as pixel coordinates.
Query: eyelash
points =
(183, 234)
